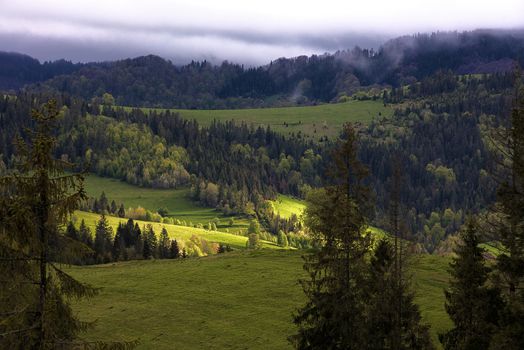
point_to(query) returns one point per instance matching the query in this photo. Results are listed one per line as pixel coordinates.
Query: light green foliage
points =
(282, 239)
(182, 290)
(254, 227)
(441, 172)
(108, 99)
(253, 241)
(312, 121)
(129, 151)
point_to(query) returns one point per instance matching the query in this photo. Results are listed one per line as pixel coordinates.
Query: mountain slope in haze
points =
(17, 70)
(151, 81)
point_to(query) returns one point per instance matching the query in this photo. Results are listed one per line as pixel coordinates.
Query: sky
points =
(249, 32)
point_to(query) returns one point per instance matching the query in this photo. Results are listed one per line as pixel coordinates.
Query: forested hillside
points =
(438, 133)
(151, 81)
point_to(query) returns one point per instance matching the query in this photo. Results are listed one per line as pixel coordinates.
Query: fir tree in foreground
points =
(471, 304)
(388, 325)
(357, 297)
(394, 320)
(34, 291)
(334, 314)
(507, 219)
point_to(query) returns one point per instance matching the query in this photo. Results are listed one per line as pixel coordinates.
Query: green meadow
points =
(237, 300)
(311, 121)
(178, 203)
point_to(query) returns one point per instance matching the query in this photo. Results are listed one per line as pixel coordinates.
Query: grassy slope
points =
(239, 300)
(176, 201)
(174, 231)
(287, 206)
(305, 119)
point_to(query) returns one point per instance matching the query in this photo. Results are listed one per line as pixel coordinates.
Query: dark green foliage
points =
(121, 211)
(471, 304)
(72, 232)
(103, 240)
(147, 252)
(118, 251)
(334, 314)
(163, 244)
(174, 251)
(34, 203)
(508, 221)
(154, 82)
(151, 242)
(85, 235)
(224, 248)
(387, 329)
(162, 211)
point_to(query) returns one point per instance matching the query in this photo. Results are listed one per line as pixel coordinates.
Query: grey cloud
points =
(111, 48)
(95, 36)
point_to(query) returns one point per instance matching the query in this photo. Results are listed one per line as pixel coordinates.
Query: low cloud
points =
(228, 30)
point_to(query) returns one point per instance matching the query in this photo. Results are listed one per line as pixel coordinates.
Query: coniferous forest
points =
(334, 237)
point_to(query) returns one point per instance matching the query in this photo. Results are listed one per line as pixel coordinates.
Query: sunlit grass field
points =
(176, 201)
(286, 206)
(175, 231)
(238, 300)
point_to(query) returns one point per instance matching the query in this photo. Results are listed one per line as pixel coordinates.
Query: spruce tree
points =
(85, 234)
(34, 202)
(333, 317)
(103, 203)
(164, 244)
(470, 303)
(118, 249)
(174, 251)
(508, 221)
(386, 328)
(121, 211)
(147, 251)
(72, 232)
(392, 304)
(102, 243)
(151, 241)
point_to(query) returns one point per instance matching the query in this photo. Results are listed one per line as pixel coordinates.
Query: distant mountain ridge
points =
(155, 82)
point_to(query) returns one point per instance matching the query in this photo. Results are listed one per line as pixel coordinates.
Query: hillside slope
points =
(240, 300)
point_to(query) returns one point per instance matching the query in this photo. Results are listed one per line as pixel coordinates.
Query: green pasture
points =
(176, 201)
(311, 121)
(238, 300)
